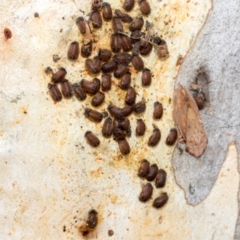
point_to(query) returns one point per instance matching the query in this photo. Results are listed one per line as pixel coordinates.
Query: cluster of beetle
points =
(150, 173)
(140, 43)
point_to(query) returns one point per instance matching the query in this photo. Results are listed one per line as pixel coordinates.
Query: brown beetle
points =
(146, 77)
(59, 75)
(120, 70)
(130, 96)
(98, 99)
(7, 33)
(135, 36)
(158, 110)
(115, 42)
(137, 24)
(122, 58)
(139, 107)
(86, 49)
(126, 43)
(172, 137)
(146, 192)
(81, 23)
(124, 147)
(117, 25)
(127, 110)
(160, 178)
(96, 19)
(109, 67)
(116, 112)
(154, 138)
(106, 82)
(106, 11)
(78, 92)
(200, 99)
(93, 65)
(121, 128)
(92, 139)
(73, 51)
(66, 89)
(96, 4)
(128, 5)
(152, 173)
(119, 134)
(144, 7)
(54, 92)
(104, 55)
(141, 127)
(93, 115)
(107, 128)
(91, 87)
(145, 50)
(161, 200)
(92, 218)
(124, 16)
(144, 168)
(137, 62)
(160, 47)
(125, 81)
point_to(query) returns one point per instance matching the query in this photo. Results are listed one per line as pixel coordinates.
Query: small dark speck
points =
(36, 15)
(63, 18)
(64, 228)
(110, 233)
(55, 57)
(25, 112)
(169, 100)
(61, 30)
(191, 189)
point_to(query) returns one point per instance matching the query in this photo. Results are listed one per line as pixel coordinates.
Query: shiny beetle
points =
(127, 110)
(141, 127)
(144, 168)
(66, 89)
(145, 50)
(137, 62)
(104, 55)
(116, 112)
(160, 178)
(154, 138)
(125, 81)
(161, 200)
(128, 5)
(124, 147)
(130, 96)
(109, 67)
(54, 92)
(86, 49)
(146, 77)
(124, 16)
(78, 92)
(126, 43)
(115, 43)
(93, 65)
(144, 7)
(59, 75)
(92, 139)
(120, 70)
(107, 128)
(81, 23)
(172, 137)
(119, 134)
(139, 107)
(117, 25)
(7, 33)
(106, 11)
(98, 99)
(93, 115)
(137, 24)
(152, 173)
(146, 192)
(96, 19)
(91, 87)
(158, 110)
(122, 58)
(92, 218)
(73, 51)
(106, 82)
